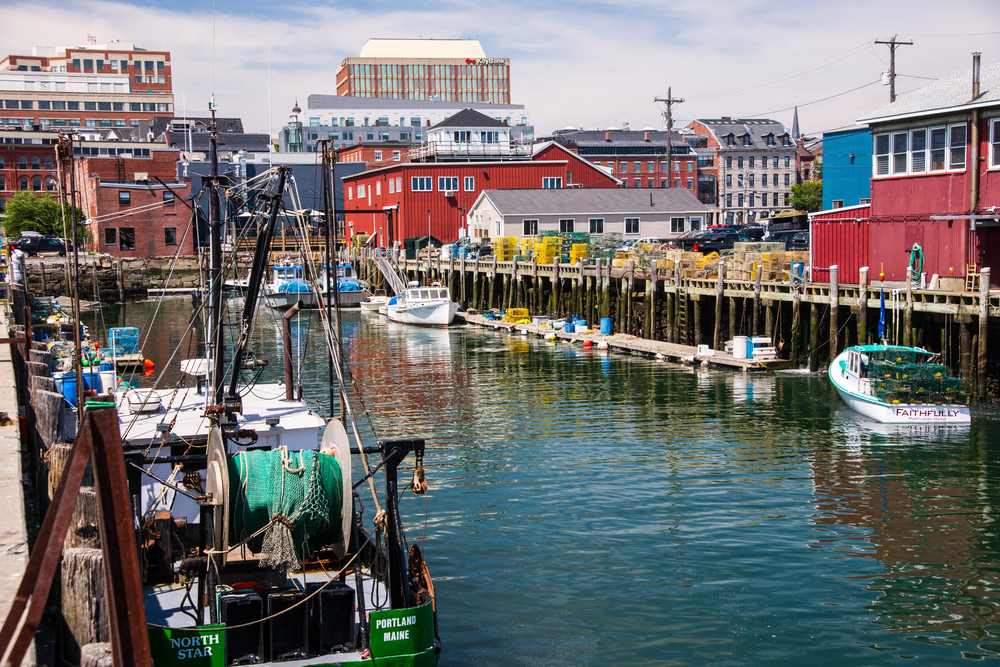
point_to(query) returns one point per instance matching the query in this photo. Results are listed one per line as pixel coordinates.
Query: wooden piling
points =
(796, 324)
(769, 319)
(580, 294)
(813, 337)
(671, 309)
(629, 285)
(696, 304)
(755, 330)
(834, 308)
(732, 318)
(475, 284)
(984, 311)
(908, 313)
(863, 307)
(556, 288)
(965, 353)
(650, 327)
(605, 292)
(716, 342)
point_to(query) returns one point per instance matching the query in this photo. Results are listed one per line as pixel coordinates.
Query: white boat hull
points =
(429, 313)
(285, 300)
(911, 413)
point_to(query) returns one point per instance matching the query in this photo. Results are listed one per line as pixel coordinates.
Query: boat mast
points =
(74, 289)
(215, 304)
(332, 305)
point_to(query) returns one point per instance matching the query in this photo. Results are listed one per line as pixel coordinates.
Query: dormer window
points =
(746, 139)
(770, 140)
(730, 140)
(785, 141)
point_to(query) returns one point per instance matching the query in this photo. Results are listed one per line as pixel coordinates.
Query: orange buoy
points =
(587, 343)
(148, 363)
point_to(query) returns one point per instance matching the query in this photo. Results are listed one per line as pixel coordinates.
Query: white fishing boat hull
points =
(285, 300)
(911, 413)
(374, 304)
(438, 313)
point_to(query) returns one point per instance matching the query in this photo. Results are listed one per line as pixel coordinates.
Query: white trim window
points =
(676, 225)
(566, 225)
(551, 183)
(447, 183)
(631, 225)
(378, 188)
(995, 143)
(421, 184)
(361, 191)
(597, 225)
(530, 227)
(470, 183)
(924, 150)
(696, 223)
(392, 185)
(378, 156)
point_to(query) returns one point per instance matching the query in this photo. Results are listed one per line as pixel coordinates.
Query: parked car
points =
(793, 239)
(634, 243)
(715, 241)
(32, 245)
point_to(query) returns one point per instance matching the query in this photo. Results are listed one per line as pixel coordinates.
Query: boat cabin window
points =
(425, 294)
(443, 293)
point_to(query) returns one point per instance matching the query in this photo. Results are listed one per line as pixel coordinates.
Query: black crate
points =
(286, 636)
(244, 646)
(331, 618)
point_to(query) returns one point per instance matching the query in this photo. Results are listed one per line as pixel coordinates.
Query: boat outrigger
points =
(895, 384)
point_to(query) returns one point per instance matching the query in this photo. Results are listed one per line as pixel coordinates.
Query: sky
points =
(590, 64)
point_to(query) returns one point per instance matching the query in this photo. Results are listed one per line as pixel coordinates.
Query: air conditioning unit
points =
(141, 176)
(449, 193)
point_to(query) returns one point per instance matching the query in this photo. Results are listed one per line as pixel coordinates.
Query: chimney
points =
(727, 118)
(607, 136)
(645, 136)
(975, 75)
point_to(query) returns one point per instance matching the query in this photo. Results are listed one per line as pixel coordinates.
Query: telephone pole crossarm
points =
(670, 101)
(892, 44)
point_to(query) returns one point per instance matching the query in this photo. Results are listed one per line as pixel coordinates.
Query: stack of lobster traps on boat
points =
(902, 377)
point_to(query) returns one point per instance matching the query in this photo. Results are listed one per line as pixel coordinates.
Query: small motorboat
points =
(375, 302)
(427, 305)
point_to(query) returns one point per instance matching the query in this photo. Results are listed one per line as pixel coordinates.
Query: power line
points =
(766, 113)
(893, 45)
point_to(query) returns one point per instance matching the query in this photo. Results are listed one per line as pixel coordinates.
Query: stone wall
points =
(115, 279)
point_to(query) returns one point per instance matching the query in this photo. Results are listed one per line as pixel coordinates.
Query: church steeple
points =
(795, 121)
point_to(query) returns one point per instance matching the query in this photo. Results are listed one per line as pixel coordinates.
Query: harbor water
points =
(595, 508)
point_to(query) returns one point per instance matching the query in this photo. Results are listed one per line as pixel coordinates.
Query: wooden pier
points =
(658, 302)
(624, 343)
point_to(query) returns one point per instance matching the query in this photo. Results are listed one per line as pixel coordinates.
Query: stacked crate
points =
(578, 251)
(549, 248)
(775, 262)
(504, 248)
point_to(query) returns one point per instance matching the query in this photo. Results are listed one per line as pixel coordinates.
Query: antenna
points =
(892, 44)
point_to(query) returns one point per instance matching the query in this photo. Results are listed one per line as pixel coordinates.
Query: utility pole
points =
(892, 44)
(670, 101)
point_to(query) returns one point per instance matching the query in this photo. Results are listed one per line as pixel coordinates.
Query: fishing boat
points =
(251, 538)
(289, 287)
(895, 384)
(352, 291)
(427, 305)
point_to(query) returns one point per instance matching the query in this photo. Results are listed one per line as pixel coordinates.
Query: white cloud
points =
(590, 64)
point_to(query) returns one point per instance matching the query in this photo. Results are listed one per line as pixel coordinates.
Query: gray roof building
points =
(952, 93)
(634, 213)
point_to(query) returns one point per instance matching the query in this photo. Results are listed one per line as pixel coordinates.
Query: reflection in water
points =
(589, 507)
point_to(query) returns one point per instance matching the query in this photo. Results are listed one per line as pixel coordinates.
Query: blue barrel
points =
(569, 328)
(606, 326)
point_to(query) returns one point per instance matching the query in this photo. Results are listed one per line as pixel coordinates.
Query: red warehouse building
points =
(403, 201)
(129, 213)
(935, 183)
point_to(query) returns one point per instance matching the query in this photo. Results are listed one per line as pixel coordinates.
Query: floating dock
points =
(631, 344)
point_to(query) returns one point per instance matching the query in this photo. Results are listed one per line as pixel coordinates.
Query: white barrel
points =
(740, 347)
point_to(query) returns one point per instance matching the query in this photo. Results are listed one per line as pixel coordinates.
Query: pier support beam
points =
(796, 324)
(732, 318)
(834, 311)
(696, 304)
(650, 315)
(755, 329)
(716, 342)
(556, 289)
(813, 337)
(984, 311)
(475, 284)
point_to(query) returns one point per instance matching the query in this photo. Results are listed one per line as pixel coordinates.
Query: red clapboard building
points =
(434, 197)
(935, 183)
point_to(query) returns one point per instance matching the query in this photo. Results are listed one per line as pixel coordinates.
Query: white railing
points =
(455, 149)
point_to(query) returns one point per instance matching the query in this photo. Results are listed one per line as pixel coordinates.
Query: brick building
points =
(451, 70)
(435, 197)
(94, 86)
(375, 154)
(129, 213)
(27, 166)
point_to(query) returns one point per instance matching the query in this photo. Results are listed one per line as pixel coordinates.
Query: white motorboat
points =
(431, 306)
(898, 385)
(375, 303)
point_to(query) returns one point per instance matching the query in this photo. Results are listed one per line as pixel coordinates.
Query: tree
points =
(26, 212)
(808, 196)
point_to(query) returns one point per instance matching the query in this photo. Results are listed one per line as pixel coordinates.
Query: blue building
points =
(847, 168)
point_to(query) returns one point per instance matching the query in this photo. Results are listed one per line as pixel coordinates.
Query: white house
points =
(634, 213)
(470, 134)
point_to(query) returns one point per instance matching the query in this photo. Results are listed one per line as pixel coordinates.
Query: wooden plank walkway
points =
(631, 344)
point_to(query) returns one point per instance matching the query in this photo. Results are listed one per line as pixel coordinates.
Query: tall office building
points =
(447, 70)
(113, 85)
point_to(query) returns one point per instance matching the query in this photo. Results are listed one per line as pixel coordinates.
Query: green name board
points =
(203, 646)
(401, 631)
